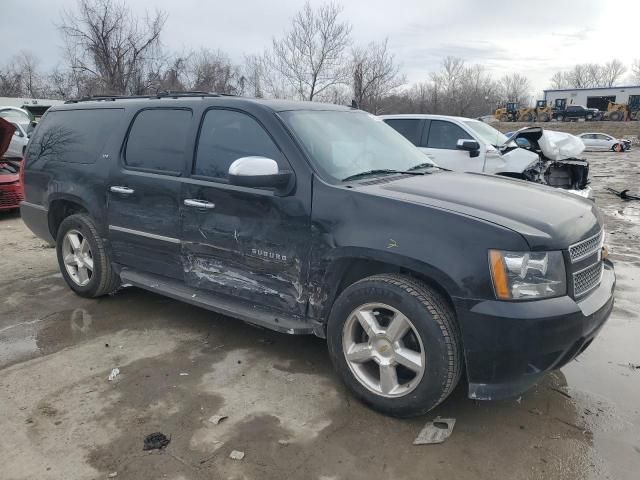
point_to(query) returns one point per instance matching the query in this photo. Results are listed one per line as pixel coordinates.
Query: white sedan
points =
(604, 142)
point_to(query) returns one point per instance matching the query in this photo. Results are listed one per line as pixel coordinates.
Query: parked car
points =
(18, 143)
(18, 116)
(309, 218)
(11, 187)
(576, 112)
(605, 142)
(468, 145)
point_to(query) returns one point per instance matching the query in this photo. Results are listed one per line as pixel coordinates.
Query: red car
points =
(11, 185)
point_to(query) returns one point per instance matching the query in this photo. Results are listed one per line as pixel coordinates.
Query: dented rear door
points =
(246, 243)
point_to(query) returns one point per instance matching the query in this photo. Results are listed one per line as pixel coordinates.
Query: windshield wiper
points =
(426, 165)
(379, 171)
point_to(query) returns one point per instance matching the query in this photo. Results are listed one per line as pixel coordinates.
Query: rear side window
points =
(158, 140)
(445, 135)
(409, 128)
(74, 136)
(227, 135)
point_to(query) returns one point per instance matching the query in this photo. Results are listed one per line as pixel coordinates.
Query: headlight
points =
(527, 275)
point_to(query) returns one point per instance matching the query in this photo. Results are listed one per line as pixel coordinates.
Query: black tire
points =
(615, 116)
(560, 118)
(104, 279)
(433, 320)
(527, 117)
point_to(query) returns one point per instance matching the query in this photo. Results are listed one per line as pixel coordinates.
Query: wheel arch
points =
(60, 207)
(352, 265)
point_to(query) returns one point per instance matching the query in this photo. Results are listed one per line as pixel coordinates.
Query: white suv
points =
(468, 145)
(461, 144)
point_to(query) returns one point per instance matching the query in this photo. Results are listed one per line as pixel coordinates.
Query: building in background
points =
(35, 106)
(594, 97)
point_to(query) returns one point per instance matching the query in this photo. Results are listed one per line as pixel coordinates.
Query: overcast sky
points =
(533, 38)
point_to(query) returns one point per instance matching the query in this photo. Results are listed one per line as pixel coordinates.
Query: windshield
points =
(487, 133)
(343, 143)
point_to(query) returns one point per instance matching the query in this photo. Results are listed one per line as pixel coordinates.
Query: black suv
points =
(319, 219)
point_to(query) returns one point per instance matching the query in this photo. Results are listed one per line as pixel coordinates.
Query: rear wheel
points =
(395, 343)
(543, 117)
(560, 118)
(615, 116)
(527, 117)
(83, 258)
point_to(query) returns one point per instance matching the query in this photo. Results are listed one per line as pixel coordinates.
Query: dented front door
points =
(246, 243)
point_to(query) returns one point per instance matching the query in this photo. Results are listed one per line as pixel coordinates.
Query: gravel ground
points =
(60, 417)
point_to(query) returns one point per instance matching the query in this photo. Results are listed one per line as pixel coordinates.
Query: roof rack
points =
(163, 94)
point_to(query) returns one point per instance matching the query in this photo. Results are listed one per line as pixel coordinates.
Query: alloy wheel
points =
(77, 257)
(383, 350)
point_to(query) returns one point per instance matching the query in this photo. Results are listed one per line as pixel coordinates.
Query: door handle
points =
(122, 190)
(192, 202)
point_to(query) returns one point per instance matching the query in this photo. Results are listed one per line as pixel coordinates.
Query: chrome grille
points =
(587, 279)
(583, 249)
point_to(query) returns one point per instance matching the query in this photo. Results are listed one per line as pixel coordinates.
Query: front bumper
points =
(509, 346)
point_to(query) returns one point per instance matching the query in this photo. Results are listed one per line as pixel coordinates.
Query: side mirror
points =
(470, 146)
(258, 172)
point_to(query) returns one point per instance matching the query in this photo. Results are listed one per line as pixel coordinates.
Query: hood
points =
(548, 218)
(6, 133)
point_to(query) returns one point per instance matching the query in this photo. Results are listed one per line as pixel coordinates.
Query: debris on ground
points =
(236, 455)
(216, 419)
(436, 431)
(535, 411)
(623, 194)
(184, 374)
(283, 442)
(156, 441)
(114, 373)
(112, 475)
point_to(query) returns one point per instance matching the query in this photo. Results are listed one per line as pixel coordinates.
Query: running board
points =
(217, 303)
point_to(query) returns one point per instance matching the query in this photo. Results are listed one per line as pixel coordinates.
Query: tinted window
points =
(76, 136)
(226, 136)
(601, 137)
(573, 109)
(409, 128)
(445, 135)
(158, 140)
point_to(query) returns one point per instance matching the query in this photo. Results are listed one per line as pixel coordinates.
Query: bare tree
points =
(26, 65)
(516, 88)
(635, 70)
(590, 75)
(559, 81)
(213, 71)
(375, 75)
(612, 72)
(311, 55)
(106, 41)
(10, 82)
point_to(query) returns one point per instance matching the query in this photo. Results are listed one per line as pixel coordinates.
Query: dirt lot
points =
(60, 418)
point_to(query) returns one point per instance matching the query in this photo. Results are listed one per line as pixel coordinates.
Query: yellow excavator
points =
(617, 112)
(514, 113)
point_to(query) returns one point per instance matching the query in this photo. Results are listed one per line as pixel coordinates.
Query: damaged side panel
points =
(252, 246)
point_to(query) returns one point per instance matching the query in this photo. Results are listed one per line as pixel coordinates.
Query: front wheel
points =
(83, 257)
(395, 343)
(617, 147)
